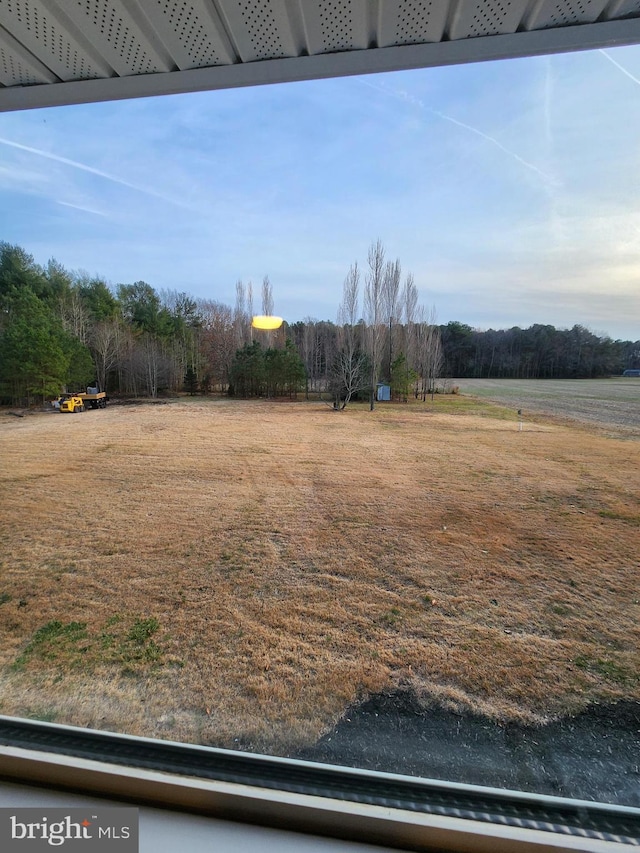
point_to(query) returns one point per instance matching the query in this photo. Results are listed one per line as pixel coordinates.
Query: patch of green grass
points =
(107, 640)
(607, 668)
(44, 715)
(618, 516)
(71, 645)
(391, 617)
(142, 629)
(53, 641)
(4, 597)
(137, 647)
(150, 652)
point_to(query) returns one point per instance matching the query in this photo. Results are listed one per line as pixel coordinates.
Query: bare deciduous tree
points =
(104, 343)
(267, 296)
(429, 351)
(373, 312)
(309, 347)
(241, 318)
(152, 363)
(217, 340)
(409, 300)
(409, 308)
(391, 293)
(349, 371)
(267, 309)
(75, 318)
(250, 311)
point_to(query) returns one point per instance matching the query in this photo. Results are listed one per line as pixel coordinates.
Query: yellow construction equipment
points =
(71, 403)
(92, 398)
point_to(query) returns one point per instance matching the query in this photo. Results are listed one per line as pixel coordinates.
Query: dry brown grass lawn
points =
(237, 573)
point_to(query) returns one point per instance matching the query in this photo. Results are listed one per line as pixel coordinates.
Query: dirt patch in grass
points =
(292, 560)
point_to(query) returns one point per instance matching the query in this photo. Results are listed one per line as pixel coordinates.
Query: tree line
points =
(537, 352)
(61, 330)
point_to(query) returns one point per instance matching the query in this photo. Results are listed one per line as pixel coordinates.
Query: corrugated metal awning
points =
(75, 51)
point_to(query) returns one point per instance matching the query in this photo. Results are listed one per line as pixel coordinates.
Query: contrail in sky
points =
(395, 93)
(82, 207)
(617, 64)
(496, 143)
(65, 161)
(411, 99)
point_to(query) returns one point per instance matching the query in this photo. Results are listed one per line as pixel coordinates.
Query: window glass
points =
(397, 532)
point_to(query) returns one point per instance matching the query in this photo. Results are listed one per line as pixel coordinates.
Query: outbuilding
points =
(383, 392)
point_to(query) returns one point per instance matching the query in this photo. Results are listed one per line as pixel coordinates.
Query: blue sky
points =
(511, 190)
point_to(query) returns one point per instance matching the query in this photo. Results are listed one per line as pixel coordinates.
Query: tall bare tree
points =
(75, 316)
(391, 293)
(349, 370)
(436, 361)
(250, 310)
(409, 308)
(241, 319)
(152, 363)
(373, 312)
(309, 340)
(104, 343)
(267, 296)
(217, 341)
(267, 309)
(429, 351)
(409, 301)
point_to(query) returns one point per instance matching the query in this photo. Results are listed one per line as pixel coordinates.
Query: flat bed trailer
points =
(94, 399)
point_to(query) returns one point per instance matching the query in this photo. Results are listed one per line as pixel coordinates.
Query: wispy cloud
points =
(498, 144)
(408, 98)
(400, 94)
(83, 208)
(620, 67)
(91, 170)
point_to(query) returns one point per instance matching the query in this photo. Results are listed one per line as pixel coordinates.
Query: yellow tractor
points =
(71, 403)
